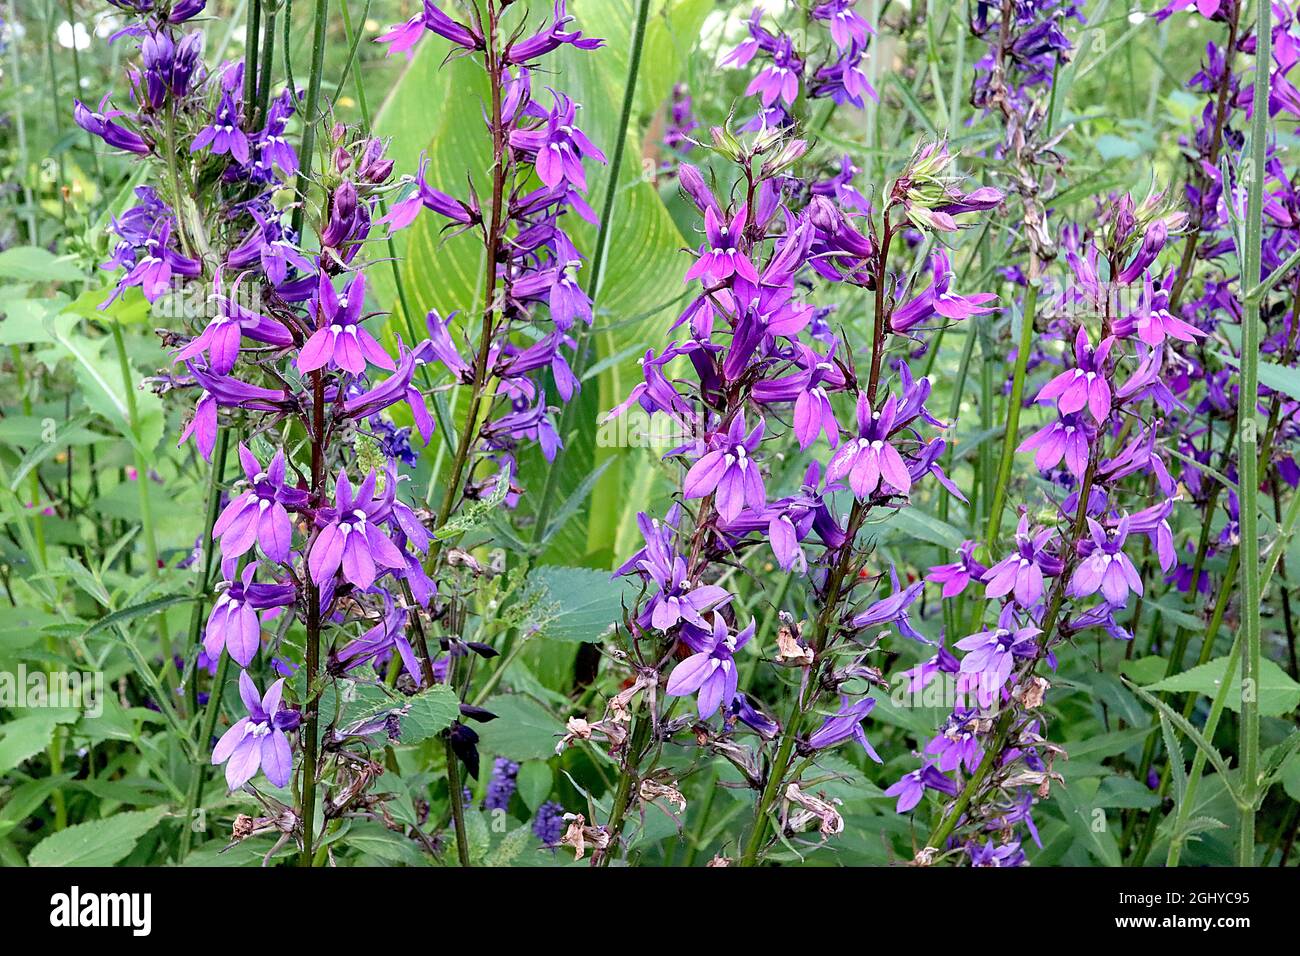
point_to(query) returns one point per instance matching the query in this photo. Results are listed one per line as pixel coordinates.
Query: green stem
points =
(1246, 436)
(598, 256)
(252, 37)
(628, 781)
(311, 663)
(195, 794)
(1011, 438)
(142, 483)
(309, 118)
(20, 125)
(457, 804)
(203, 580)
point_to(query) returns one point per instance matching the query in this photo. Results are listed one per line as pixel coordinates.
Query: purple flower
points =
(957, 744)
(870, 461)
(991, 654)
(258, 740)
(259, 514)
(722, 256)
(845, 725)
(339, 336)
(729, 472)
(558, 147)
(233, 623)
(154, 270)
(501, 786)
(1107, 569)
(220, 338)
(101, 124)
(912, 786)
(710, 673)
(1153, 322)
(551, 38)
(955, 577)
(999, 855)
(847, 25)
(1067, 438)
(779, 79)
(378, 643)
(351, 538)
(939, 298)
(892, 609)
(1021, 572)
(548, 823)
(224, 134)
(1085, 384)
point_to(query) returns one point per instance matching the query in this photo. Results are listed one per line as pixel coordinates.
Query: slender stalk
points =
(494, 238)
(267, 64)
(204, 577)
(628, 781)
(598, 255)
(20, 125)
(311, 663)
(835, 588)
(199, 777)
(1002, 732)
(252, 38)
(309, 118)
(1216, 143)
(1248, 463)
(454, 795)
(1012, 436)
(141, 464)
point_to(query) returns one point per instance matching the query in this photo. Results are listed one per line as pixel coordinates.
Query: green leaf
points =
(98, 843)
(1279, 378)
(103, 389)
(1088, 821)
(33, 264)
(1174, 754)
(523, 730)
(138, 610)
(1290, 777)
(376, 840)
(1278, 693)
(429, 713)
(575, 604)
(1145, 670)
(1184, 725)
(913, 523)
(511, 845)
(534, 782)
(25, 737)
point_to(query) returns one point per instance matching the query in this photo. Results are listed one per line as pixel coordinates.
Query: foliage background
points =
(75, 513)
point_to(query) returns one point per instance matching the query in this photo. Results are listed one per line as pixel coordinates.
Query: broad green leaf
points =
(103, 390)
(1290, 777)
(575, 604)
(913, 523)
(534, 782)
(33, 264)
(1278, 693)
(430, 713)
(511, 845)
(1091, 826)
(25, 737)
(1279, 378)
(523, 730)
(97, 843)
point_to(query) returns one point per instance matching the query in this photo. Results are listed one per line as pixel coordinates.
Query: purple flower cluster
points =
(539, 176)
(765, 380)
